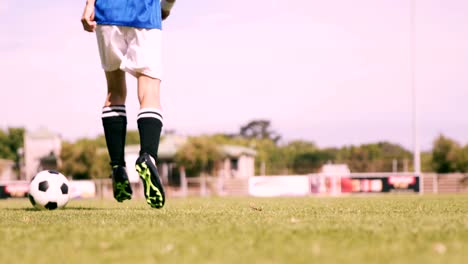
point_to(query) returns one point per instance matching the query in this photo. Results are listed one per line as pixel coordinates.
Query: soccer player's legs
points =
(144, 61)
(112, 47)
(114, 120)
(150, 118)
(150, 122)
(116, 88)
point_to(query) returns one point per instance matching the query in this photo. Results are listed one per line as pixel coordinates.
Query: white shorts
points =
(134, 50)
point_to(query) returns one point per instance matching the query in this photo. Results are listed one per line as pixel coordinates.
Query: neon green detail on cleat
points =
(145, 174)
(122, 194)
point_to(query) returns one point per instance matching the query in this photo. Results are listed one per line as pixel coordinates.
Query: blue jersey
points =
(130, 13)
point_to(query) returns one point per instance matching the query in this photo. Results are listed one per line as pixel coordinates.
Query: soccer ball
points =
(49, 190)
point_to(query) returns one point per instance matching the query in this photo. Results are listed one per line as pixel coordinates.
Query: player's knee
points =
(116, 81)
(148, 84)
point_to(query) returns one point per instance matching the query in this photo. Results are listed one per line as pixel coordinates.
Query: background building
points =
(7, 170)
(237, 161)
(41, 145)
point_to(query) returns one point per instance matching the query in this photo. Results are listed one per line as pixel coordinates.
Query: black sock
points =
(149, 126)
(114, 120)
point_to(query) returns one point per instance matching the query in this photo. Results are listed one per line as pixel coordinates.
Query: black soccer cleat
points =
(121, 184)
(153, 188)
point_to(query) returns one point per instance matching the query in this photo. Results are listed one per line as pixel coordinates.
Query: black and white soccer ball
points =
(49, 190)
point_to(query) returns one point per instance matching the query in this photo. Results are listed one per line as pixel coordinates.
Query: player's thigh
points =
(144, 53)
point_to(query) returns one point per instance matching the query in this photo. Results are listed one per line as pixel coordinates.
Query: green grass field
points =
(378, 229)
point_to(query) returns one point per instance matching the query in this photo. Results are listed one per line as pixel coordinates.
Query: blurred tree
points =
(259, 129)
(332, 153)
(229, 139)
(298, 156)
(5, 151)
(16, 139)
(10, 142)
(78, 158)
(426, 161)
(301, 156)
(444, 155)
(272, 156)
(310, 162)
(100, 168)
(133, 138)
(297, 147)
(377, 157)
(88, 158)
(356, 158)
(100, 141)
(201, 154)
(462, 159)
(198, 155)
(390, 152)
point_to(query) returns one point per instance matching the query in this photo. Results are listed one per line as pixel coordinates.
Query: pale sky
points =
(335, 72)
